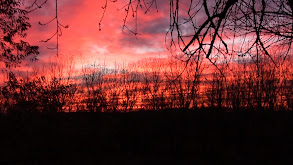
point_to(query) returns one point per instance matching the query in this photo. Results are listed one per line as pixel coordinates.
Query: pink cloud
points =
(84, 38)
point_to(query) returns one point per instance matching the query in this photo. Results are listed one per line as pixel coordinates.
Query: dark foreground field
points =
(155, 137)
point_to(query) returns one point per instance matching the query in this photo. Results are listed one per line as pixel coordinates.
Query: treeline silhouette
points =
(155, 84)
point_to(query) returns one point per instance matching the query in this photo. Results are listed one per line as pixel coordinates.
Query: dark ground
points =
(154, 137)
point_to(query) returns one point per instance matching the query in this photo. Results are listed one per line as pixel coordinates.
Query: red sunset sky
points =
(84, 42)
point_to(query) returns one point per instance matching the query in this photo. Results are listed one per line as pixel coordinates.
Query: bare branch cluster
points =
(35, 5)
(232, 27)
(131, 9)
(218, 28)
(59, 26)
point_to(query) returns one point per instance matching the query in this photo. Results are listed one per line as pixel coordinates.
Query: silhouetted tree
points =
(129, 91)
(216, 92)
(13, 26)
(95, 98)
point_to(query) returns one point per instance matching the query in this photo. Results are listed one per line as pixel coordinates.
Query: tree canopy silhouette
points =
(13, 26)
